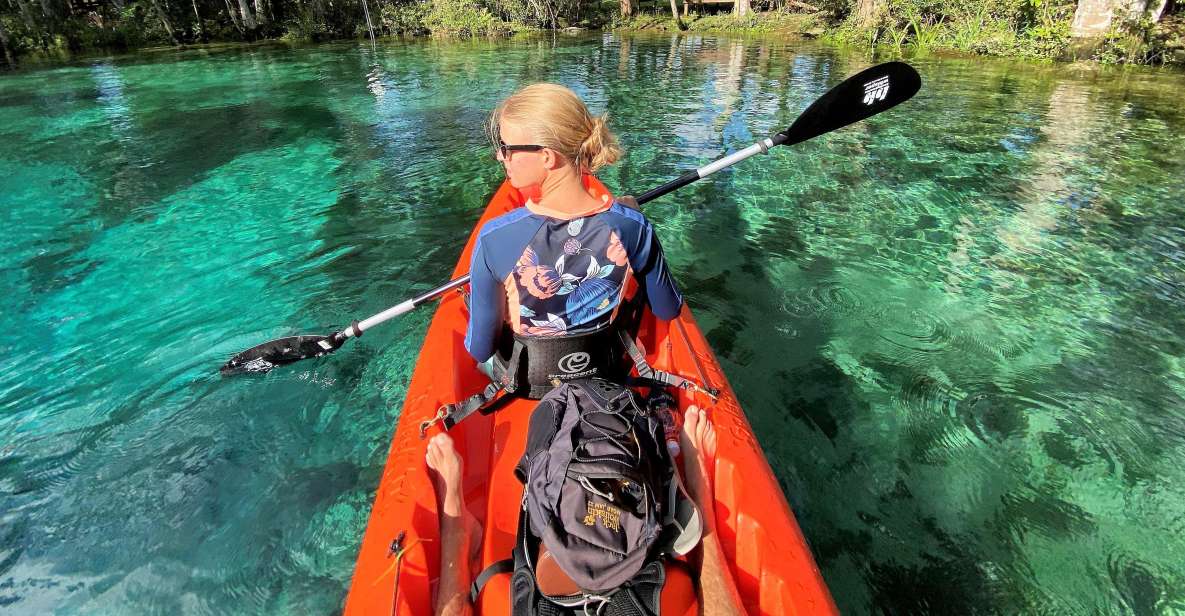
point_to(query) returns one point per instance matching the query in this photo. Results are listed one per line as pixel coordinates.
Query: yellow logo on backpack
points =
(609, 516)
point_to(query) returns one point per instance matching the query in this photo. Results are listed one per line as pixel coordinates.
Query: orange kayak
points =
(398, 563)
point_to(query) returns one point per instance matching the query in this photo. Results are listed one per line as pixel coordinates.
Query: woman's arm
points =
(487, 303)
(661, 291)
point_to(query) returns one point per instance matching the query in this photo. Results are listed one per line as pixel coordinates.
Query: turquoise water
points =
(957, 327)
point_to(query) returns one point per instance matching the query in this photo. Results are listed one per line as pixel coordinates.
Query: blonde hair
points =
(556, 118)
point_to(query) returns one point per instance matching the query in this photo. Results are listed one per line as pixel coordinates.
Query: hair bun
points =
(600, 147)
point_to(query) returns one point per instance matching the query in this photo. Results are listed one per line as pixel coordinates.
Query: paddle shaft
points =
(858, 97)
(761, 147)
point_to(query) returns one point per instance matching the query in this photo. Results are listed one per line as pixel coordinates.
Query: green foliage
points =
(463, 18)
(773, 21)
(20, 39)
(1134, 41)
(129, 27)
(405, 19)
(305, 25)
(645, 21)
(1027, 28)
(1047, 39)
(834, 10)
(516, 12)
(927, 31)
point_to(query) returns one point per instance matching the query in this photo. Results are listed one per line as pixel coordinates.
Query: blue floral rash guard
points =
(547, 275)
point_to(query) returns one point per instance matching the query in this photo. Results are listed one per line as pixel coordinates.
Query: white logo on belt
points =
(876, 90)
(574, 362)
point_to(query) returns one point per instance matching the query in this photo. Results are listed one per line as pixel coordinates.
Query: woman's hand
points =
(628, 201)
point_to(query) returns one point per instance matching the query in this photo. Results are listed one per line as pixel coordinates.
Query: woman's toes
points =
(702, 426)
(441, 457)
(443, 441)
(691, 420)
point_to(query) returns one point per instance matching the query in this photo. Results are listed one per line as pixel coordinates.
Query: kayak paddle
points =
(860, 96)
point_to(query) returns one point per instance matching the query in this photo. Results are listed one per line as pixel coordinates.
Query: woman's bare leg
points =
(460, 533)
(718, 591)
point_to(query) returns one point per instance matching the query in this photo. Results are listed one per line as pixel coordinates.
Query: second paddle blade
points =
(264, 357)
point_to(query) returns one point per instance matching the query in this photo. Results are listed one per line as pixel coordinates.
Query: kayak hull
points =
(768, 556)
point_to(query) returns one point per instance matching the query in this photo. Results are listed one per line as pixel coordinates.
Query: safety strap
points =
(485, 401)
(647, 372)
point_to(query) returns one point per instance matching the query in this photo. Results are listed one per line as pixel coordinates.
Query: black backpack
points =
(601, 498)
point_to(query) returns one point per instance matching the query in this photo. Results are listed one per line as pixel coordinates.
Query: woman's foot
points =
(717, 590)
(698, 441)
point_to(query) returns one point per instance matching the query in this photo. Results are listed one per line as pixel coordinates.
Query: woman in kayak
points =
(563, 264)
(460, 531)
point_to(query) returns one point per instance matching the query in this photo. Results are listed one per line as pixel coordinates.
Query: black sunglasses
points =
(505, 150)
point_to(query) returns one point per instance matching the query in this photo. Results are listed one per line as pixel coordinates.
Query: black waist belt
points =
(550, 361)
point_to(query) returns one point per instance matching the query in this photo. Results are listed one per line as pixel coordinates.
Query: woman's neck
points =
(563, 192)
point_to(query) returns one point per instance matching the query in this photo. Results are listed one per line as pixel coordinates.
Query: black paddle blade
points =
(260, 359)
(861, 96)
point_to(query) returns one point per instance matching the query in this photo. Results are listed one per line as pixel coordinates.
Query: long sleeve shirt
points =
(550, 276)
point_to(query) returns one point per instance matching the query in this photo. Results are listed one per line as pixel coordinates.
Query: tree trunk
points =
(165, 22)
(543, 13)
(234, 20)
(197, 17)
(245, 12)
(27, 15)
(369, 25)
(260, 14)
(627, 8)
(674, 10)
(4, 43)
(1094, 18)
(868, 13)
(741, 8)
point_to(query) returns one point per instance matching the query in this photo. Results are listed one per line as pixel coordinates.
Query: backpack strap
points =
(518, 564)
(505, 565)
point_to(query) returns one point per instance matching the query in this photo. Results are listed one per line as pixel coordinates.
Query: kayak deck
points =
(769, 558)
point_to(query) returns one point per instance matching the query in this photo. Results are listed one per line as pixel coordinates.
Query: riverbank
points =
(1043, 36)
(1032, 29)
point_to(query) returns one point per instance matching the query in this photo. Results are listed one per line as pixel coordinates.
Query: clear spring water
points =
(957, 327)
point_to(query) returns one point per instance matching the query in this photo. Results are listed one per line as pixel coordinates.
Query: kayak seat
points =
(678, 594)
